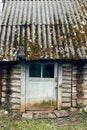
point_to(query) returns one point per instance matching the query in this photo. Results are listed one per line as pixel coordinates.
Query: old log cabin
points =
(43, 54)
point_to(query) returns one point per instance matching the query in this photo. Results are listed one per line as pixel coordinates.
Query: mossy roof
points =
(48, 29)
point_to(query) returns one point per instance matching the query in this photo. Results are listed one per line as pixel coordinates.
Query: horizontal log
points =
(74, 82)
(74, 96)
(15, 95)
(3, 99)
(11, 80)
(12, 100)
(85, 96)
(64, 90)
(74, 103)
(67, 70)
(17, 71)
(12, 76)
(85, 81)
(80, 101)
(83, 77)
(85, 91)
(66, 95)
(66, 100)
(74, 90)
(16, 106)
(85, 101)
(66, 86)
(75, 66)
(16, 89)
(66, 105)
(66, 82)
(75, 78)
(66, 77)
(84, 86)
(73, 85)
(13, 83)
(67, 74)
(15, 101)
(65, 65)
(75, 72)
(84, 74)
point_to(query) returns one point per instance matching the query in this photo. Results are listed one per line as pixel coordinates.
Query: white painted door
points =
(40, 86)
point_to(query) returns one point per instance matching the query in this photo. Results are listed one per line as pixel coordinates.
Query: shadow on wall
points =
(8, 70)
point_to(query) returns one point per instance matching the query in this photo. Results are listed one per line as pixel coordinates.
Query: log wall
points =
(74, 82)
(85, 85)
(66, 85)
(76, 101)
(11, 85)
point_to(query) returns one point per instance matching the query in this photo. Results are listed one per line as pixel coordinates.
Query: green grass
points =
(11, 122)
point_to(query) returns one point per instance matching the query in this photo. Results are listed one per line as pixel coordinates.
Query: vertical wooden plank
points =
(56, 82)
(23, 66)
(59, 86)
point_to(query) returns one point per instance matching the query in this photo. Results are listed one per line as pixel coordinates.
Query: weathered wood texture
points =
(74, 90)
(84, 85)
(83, 99)
(66, 86)
(11, 85)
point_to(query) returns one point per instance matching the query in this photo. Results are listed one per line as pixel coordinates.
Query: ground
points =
(14, 121)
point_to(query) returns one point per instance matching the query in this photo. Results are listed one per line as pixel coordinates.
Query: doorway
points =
(41, 86)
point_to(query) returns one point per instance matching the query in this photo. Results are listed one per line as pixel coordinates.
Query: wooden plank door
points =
(40, 87)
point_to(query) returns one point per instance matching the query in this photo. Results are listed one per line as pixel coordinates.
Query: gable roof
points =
(48, 29)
